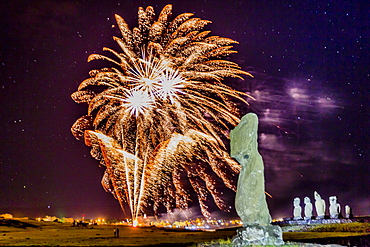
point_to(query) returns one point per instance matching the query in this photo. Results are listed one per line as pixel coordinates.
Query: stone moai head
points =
(317, 196)
(347, 209)
(296, 202)
(307, 200)
(333, 200)
(242, 148)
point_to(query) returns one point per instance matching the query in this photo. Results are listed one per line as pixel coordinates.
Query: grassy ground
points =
(52, 234)
(29, 232)
(299, 236)
(329, 231)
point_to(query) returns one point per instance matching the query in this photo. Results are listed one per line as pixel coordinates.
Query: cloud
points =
(299, 141)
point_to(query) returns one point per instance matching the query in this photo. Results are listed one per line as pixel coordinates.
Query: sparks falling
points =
(157, 124)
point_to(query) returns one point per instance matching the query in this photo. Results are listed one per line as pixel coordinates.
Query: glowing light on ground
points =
(135, 223)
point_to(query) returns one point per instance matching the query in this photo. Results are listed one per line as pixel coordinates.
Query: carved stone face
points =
(348, 209)
(333, 200)
(296, 201)
(307, 200)
(248, 126)
(317, 196)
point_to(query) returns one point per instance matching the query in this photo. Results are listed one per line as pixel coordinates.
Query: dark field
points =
(29, 232)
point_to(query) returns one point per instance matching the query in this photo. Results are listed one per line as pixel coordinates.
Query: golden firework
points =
(161, 112)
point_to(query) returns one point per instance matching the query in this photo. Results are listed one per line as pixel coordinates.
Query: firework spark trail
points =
(162, 107)
(182, 198)
(210, 183)
(128, 185)
(198, 186)
(108, 149)
(142, 187)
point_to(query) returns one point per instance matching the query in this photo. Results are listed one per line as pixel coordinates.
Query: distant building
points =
(51, 218)
(67, 220)
(6, 216)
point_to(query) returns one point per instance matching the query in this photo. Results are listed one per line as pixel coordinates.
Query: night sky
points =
(311, 65)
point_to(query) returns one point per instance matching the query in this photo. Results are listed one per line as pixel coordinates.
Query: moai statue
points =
(348, 211)
(320, 206)
(334, 208)
(250, 198)
(307, 208)
(297, 212)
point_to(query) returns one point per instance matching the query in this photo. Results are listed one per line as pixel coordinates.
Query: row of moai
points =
(320, 206)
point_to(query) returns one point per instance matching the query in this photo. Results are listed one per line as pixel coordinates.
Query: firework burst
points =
(160, 115)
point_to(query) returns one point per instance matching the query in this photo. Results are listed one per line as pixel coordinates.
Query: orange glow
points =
(135, 223)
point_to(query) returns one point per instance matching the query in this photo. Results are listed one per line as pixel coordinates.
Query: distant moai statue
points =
(334, 208)
(308, 208)
(348, 211)
(297, 212)
(320, 206)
